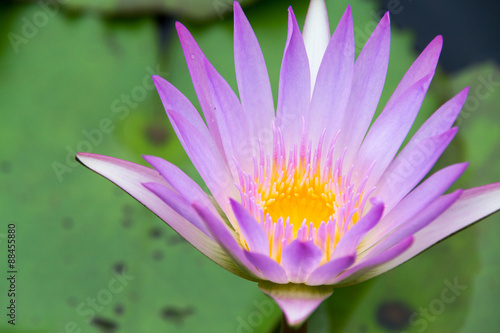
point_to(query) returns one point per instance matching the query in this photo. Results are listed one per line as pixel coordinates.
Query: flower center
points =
(297, 195)
(301, 199)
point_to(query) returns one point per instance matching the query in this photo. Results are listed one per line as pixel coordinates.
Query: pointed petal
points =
(441, 120)
(294, 85)
(420, 221)
(389, 131)
(391, 127)
(227, 241)
(300, 259)
(473, 205)
(333, 84)
(179, 204)
(423, 66)
(195, 61)
(271, 270)
(180, 182)
(297, 301)
(173, 99)
(329, 271)
(350, 241)
(410, 167)
(207, 160)
(130, 177)
(370, 71)
(252, 77)
(373, 266)
(231, 122)
(252, 232)
(413, 203)
(316, 34)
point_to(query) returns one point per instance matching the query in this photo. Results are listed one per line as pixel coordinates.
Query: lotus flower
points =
(311, 197)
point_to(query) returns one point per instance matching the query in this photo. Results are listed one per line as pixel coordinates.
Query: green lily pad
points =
(185, 9)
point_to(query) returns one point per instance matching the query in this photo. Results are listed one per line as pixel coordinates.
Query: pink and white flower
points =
(310, 197)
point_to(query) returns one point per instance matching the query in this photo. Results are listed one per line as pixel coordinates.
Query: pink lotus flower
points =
(307, 199)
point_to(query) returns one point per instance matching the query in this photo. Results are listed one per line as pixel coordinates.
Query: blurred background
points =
(76, 76)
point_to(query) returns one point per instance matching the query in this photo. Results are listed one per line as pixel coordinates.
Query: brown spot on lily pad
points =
(157, 134)
(394, 315)
(105, 325)
(176, 315)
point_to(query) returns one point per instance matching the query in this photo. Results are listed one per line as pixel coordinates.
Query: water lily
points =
(310, 197)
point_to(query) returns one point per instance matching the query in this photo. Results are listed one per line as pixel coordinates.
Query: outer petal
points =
(130, 176)
(300, 259)
(329, 271)
(173, 99)
(294, 85)
(252, 232)
(372, 267)
(473, 205)
(420, 221)
(316, 34)
(195, 60)
(370, 70)
(410, 166)
(231, 122)
(179, 204)
(349, 242)
(227, 241)
(207, 160)
(389, 131)
(180, 182)
(271, 270)
(297, 301)
(414, 202)
(421, 152)
(333, 83)
(391, 127)
(252, 77)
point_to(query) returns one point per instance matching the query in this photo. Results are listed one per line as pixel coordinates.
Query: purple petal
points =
(410, 166)
(173, 99)
(195, 60)
(391, 127)
(271, 270)
(251, 75)
(421, 220)
(329, 271)
(130, 177)
(418, 199)
(389, 131)
(349, 242)
(441, 120)
(294, 85)
(373, 267)
(425, 65)
(333, 84)
(181, 183)
(231, 122)
(370, 70)
(297, 301)
(227, 241)
(474, 204)
(207, 160)
(316, 34)
(300, 259)
(179, 204)
(252, 232)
